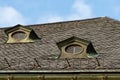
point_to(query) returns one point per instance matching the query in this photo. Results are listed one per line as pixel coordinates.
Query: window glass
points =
(73, 49)
(19, 35)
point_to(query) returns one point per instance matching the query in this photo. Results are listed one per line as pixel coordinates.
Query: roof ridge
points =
(87, 19)
(103, 17)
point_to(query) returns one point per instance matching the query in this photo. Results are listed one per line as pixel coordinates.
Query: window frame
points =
(14, 33)
(74, 45)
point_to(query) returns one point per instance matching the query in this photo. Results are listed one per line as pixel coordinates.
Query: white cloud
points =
(49, 19)
(10, 16)
(55, 18)
(80, 10)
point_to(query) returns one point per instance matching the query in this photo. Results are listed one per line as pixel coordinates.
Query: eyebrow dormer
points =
(20, 34)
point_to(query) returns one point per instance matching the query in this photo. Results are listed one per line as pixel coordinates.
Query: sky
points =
(27, 12)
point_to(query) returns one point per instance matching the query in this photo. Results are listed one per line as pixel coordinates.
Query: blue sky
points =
(27, 12)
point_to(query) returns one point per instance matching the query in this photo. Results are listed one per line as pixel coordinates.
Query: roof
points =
(103, 32)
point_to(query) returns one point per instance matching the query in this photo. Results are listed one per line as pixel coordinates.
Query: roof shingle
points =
(103, 32)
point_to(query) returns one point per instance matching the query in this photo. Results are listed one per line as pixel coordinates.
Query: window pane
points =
(73, 49)
(69, 49)
(78, 49)
(19, 35)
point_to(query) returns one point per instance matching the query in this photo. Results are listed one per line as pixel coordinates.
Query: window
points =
(73, 49)
(19, 35)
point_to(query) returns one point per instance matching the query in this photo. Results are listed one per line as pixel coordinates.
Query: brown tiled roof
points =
(103, 32)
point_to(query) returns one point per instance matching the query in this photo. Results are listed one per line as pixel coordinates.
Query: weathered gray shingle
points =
(103, 32)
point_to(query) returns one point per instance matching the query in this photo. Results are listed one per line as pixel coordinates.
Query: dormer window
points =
(19, 35)
(76, 48)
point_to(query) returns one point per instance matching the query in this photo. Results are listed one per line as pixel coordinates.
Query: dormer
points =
(75, 47)
(20, 34)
